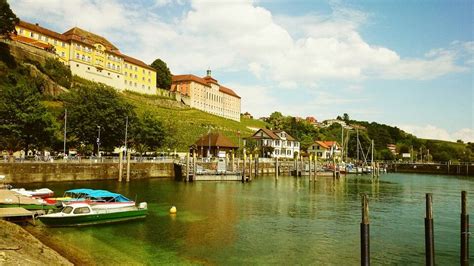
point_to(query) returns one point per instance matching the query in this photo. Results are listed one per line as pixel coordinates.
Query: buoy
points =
(173, 210)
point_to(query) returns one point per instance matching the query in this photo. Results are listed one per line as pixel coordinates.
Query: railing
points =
(87, 159)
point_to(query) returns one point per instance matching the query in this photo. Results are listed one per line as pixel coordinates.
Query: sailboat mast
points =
(357, 145)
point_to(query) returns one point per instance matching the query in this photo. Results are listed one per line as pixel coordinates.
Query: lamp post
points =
(98, 142)
(65, 127)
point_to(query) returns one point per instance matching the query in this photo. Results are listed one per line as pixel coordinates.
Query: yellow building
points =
(207, 94)
(91, 56)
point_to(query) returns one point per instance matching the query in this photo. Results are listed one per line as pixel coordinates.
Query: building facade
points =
(208, 95)
(325, 149)
(276, 143)
(91, 56)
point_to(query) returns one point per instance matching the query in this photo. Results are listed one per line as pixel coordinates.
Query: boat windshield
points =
(67, 210)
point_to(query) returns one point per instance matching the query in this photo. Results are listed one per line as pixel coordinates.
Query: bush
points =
(58, 72)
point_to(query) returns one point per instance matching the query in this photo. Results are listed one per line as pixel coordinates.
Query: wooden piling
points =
(315, 166)
(233, 162)
(464, 230)
(128, 166)
(243, 168)
(310, 160)
(276, 168)
(250, 167)
(187, 167)
(194, 165)
(365, 233)
(120, 166)
(429, 231)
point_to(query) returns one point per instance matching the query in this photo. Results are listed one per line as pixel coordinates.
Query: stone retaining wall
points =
(55, 172)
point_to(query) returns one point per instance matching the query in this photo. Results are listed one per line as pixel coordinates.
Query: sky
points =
(404, 63)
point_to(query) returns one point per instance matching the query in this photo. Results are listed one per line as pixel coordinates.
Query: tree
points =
(24, 120)
(92, 105)
(148, 131)
(163, 74)
(346, 117)
(8, 19)
(276, 120)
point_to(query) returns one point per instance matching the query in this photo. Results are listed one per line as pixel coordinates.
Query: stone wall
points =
(447, 169)
(56, 172)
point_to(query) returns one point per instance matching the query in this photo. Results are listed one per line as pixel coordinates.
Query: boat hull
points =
(91, 219)
(28, 206)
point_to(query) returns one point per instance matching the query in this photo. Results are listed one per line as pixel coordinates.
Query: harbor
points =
(318, 222)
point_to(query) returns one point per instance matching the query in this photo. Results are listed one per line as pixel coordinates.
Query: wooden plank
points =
(14, 212)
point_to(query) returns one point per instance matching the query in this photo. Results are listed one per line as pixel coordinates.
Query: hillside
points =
(25, 66)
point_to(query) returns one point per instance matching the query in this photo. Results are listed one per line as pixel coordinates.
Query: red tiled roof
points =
(216, 140)
(326, 144)
(44, 31)
(30, 41)
(272, 134)
(189, 77)
(136, 62)
(204, 81)
(228, 91)
(210, 79)
(90, 38)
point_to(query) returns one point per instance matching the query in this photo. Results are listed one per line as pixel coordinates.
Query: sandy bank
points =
(19, 247)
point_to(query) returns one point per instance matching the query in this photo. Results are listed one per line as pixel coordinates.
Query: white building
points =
(276, 143)
(208, 95)
(325, 149)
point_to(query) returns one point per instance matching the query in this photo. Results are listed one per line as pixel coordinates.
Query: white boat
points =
(37, 193)
(98, 199)
(78, 214)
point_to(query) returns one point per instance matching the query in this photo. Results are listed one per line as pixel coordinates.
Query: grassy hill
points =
(188, 123)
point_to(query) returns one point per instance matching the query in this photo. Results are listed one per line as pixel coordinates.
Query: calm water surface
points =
(291, 221)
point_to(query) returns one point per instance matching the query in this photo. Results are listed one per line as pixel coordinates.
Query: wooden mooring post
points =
(464, 230)
(310, 160)
(120, 166)
(365, 233)
(128, 166)
(243, 167)
(194, 165)
(187, 167)
(429, 231)
(315, 166)
(276, 168)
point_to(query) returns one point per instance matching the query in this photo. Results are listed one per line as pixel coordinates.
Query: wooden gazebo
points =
(213, 143)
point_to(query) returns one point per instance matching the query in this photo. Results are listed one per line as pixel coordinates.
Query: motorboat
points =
(80, 214)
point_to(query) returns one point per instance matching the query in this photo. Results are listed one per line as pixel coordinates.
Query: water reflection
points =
(276, 222)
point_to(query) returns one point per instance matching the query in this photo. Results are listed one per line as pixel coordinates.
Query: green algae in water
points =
(291, 221)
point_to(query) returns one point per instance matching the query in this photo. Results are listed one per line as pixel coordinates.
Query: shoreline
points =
(20, 247)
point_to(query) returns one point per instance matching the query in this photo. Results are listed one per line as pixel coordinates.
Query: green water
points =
(291, 221)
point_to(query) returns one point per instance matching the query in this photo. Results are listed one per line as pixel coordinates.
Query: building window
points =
(124, 81)
(88, 68)
(108, 73)
(143, 86)
(143, 78)
(77, 65)
(32, 35)
(63, 54)
(135, 84)
(135, 75)
(131, 75)
(125, 73)
(118, 76)
(126, 66)
(21, 31)
(55, 42)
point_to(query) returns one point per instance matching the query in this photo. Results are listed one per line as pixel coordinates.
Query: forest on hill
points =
(421, 149)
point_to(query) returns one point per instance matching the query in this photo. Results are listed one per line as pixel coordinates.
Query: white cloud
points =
(433, 132)
(240, 35)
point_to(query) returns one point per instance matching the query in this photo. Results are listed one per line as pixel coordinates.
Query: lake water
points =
(291, 221)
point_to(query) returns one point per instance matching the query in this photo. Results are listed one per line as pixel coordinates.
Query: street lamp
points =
(98, 142)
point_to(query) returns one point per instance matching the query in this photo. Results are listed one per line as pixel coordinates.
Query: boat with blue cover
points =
(96, 198)
(81, 214)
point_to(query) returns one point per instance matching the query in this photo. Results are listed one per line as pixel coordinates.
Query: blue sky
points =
(404, 63)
